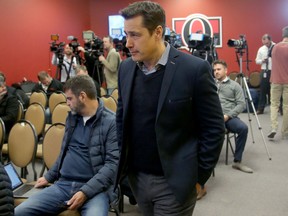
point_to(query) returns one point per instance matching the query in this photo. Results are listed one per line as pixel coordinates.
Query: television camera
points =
(173, 38)
(203, 46)
(55, 47)
(93, 44)
(120, 45)
(239, 44)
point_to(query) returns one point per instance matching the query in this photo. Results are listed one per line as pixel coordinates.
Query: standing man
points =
(111, 64)
(233, 103)
(169, 120)
(65, 64)
(263, 58)
(279, 85)
(85, 170)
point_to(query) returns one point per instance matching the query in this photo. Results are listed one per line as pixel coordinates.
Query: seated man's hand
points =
(41, 182)
(226, 118)
(77, 200)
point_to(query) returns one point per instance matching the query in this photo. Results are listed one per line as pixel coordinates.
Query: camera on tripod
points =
(172, 38)
(55, 47)
(200, 42)
(74, 44)
(93, 44)
(120, 45)
(241, 43)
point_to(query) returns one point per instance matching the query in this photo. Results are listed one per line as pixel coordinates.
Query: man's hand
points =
(226, 118)
(77, 200)
(101, 58)
(41, 182)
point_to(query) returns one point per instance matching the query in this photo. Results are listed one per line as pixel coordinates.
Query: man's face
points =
(75, 103)
(46, 81)
(2, 88)
(140, 43)
(68, 50)
(106, 43)
(81, 72)
(266, 42)
(220, 72)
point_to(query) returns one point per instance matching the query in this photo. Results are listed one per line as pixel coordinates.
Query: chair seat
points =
(69, 213)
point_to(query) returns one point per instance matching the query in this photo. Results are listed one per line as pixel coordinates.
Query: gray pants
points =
(155, 197)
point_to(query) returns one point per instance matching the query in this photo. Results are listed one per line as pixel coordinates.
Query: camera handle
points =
(249, 100)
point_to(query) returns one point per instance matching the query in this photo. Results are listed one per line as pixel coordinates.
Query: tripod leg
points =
(257, 119)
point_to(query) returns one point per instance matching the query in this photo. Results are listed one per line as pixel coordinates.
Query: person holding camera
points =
(111, 64)
(93, 48)
(263, 58)
(66, 63)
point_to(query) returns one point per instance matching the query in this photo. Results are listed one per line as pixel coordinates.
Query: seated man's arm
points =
(239, 101)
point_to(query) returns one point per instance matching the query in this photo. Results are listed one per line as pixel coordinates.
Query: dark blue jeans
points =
(264, 89)
(235, 125)
(50, 201)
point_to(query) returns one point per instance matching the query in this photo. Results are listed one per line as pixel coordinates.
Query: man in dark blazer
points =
(169, 119)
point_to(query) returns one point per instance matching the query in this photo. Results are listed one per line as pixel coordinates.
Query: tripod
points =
(248, 99)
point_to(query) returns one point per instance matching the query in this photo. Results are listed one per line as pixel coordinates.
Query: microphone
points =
(72, 38)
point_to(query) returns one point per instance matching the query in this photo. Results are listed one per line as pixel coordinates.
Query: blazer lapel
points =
(127, 85)
(167, 79)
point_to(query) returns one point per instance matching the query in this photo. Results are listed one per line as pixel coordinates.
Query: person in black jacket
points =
(8, 106)
(47, 84)
(6, 194)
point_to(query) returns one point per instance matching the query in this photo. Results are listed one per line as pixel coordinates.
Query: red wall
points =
(25, 27)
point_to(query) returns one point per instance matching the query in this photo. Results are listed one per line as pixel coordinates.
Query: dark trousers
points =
(235, 125)
(264, 89)
(155, 197)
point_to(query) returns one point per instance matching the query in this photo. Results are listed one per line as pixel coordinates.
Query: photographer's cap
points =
(285, 32)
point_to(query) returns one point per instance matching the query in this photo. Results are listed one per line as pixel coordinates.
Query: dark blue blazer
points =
(189, 123)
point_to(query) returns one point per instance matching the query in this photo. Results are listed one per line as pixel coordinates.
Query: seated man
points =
(233, 103)
(84, 172)
(9, 107)
(47, 84)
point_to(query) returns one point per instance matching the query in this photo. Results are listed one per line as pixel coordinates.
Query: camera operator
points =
(66, 65)
(263, 58)
(93, 48)
(111, 64)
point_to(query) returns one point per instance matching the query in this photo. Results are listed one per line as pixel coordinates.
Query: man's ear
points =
(82, 96)
(159, 32)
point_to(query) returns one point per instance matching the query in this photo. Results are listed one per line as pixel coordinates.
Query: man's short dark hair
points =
(152, 13)
(219, 61)
(81, 83)
(267, 36)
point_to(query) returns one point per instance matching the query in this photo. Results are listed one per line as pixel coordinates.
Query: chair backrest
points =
(110, 103)
(39, 97)
(35, 113)
(103, 91)
(233, 75)
(22, 145)
(52, 142)
(114, 94)
(20, 111)
(56, 98)
(60, 113)
(2, 136)
(254, 79)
